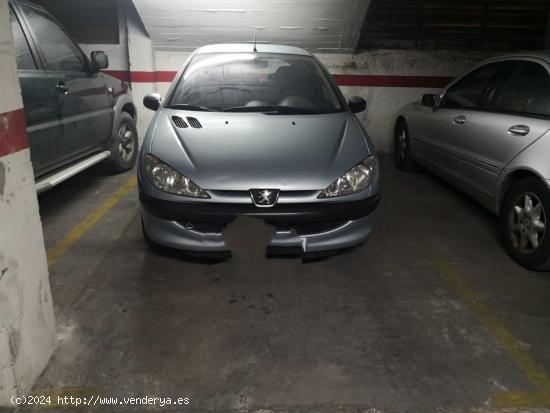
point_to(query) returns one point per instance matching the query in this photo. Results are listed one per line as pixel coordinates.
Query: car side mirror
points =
(152, 101)
(429, 100)
(99, 61)
(357, 104)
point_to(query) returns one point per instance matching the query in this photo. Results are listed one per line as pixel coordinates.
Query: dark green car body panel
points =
(63, 127)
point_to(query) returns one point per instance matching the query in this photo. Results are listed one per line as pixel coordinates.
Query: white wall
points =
(141, 54)
(383, 103)
(166, 61)
(27, 327)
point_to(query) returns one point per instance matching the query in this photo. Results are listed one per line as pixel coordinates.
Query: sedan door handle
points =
(460, 120)
(520, 130)
(62, 88)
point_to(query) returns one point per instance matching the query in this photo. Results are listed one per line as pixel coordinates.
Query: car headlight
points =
(168, 179)
(357, 179)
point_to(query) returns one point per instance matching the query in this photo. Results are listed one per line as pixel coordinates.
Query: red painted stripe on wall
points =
(13, 132)
(149, 77)
(392, 81)
(122, 75)
(166, 76)
(142, 76)
(341, 80)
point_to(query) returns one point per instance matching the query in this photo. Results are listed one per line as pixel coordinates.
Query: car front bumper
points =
(304, 227)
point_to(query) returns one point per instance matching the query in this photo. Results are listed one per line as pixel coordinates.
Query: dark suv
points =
(76, 115)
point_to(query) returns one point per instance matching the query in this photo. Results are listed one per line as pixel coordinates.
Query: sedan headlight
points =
(357, 179)
(168, 179)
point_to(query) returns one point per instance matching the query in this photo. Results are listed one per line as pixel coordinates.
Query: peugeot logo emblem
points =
(264, 197)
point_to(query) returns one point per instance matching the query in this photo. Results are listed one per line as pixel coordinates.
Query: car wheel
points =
(402, 148)
(124, 146)
(525, 223)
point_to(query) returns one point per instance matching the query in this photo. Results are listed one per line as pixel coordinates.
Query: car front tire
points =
(124, 145)
(402, 147)
(525, 223)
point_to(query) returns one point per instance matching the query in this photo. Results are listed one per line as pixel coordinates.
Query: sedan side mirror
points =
(99, 61)
(357, 104)
(429, 100)
(152, 101)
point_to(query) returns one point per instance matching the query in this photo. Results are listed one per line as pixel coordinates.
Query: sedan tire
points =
(525, 223)
(402, 147)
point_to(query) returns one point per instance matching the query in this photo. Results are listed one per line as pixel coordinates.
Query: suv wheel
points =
(525, 221)
(124, 146)
(402, 148)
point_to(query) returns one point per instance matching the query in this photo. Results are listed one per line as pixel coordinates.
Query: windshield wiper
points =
(287, 110)
(186, 106)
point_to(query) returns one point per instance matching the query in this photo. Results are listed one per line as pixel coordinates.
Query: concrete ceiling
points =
(317, 25)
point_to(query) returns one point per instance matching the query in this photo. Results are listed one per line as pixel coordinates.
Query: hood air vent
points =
(179, 122)
(194, 123)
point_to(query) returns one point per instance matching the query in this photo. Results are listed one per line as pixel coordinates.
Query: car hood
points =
(240, 151)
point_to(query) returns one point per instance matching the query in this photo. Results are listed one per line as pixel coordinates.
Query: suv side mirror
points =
(152, 101)
(99, 61)
(429, 100)
(357, 104)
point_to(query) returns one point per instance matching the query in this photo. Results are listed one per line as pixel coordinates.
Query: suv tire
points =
(124, 145)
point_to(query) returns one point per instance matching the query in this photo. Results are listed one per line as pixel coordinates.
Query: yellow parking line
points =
(535, 373)
(77, 232)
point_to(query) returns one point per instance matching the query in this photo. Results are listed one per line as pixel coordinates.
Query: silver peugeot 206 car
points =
(259, 131)
(488, 133)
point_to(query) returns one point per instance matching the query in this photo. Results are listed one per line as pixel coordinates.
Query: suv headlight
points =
(357, 179)
(168, 179)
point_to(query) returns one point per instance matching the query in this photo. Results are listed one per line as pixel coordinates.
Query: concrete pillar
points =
(142, 66)
(27, 326)
(356, 27)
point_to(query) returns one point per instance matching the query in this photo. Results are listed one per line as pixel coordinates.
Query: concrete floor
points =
(431, 315)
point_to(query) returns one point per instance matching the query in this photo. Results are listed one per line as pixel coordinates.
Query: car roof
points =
(531, 54)
(30, 4)
(249, 47)
(27, 3)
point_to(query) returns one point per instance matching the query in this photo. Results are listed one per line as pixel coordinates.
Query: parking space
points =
(431, 314)
(264, 206)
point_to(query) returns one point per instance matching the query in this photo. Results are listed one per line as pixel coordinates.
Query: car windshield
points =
(255, 82)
